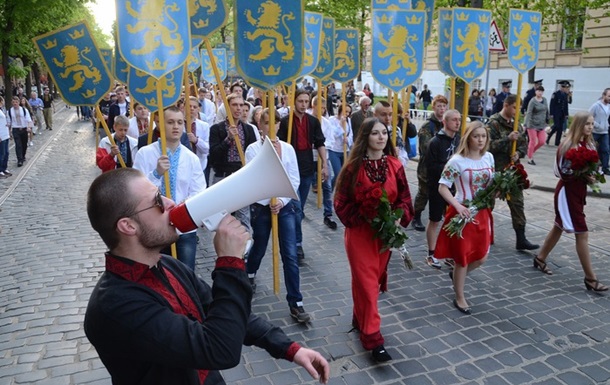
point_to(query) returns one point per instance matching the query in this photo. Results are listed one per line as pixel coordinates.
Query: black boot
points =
(522, 242)
(416, 223)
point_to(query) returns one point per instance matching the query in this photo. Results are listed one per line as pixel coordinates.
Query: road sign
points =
(495, 38)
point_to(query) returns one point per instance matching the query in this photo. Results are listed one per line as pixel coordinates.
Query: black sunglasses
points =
(158, 203)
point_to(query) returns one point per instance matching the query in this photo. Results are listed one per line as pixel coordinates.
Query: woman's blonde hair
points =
(463, 148)
(576, 133)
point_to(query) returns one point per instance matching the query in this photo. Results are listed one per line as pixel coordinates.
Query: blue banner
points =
(207, 70)
(194, 60)
(347, 55)
(207, 16)
(143, 87)
(524, 39)
(428, 6)
(269, 40)
(326, 62)
(154, 35)
(393, 5)
(313, 34)
(107, 56)
(398, 47)
(445, 17)
(231, 66)
(120, 68)
(75, 63)
(469, 42)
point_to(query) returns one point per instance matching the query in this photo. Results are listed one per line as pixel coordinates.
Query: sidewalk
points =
(526, 328)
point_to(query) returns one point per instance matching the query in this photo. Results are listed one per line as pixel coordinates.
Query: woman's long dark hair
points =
(349, 172)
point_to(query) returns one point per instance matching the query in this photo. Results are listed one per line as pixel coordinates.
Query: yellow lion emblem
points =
(344, 56)
(208, 69)
(194, 6)
(308, 51)
(72, 65)
(168, 86)
(523, 42)
(150, 20)
(396, 47)
(268, 26)
(472, 45)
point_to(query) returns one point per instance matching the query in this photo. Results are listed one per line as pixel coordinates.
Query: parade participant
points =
(106, 155)
(501, 96)
(138, 125)
(306, 134)
(426, 132)
(536, 121)
(559, 109)
(151, 319)
(185, 175)
(224, 156)
(284, 208)
(48, 109)
(440, 149)
(37, 106)
(340, 138)
(600, 111)
(570, 195)
(120, 107)
(361, 114)
(143, 139)
(502, 137)
(383, 112)
(529, 95)
(372, 160)
(221, 113)
(208, 110)
(4, 142)
(19, 121)
(199, 137)
(469, 171)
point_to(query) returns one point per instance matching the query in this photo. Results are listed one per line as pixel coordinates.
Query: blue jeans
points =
(336, 162)
(304, 186)
(603, 149)
(186, 249)
(4, 155)
(426, 104)
(260, 218)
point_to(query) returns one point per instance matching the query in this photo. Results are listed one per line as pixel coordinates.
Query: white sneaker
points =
(31, 144)
(433, 262)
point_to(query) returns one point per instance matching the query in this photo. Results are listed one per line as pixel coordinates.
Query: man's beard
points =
(155, 239)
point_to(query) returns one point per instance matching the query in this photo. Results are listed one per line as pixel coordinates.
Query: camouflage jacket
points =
(426, 132)
(499, 144)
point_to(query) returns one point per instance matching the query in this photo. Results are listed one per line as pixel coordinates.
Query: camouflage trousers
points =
(517, 210)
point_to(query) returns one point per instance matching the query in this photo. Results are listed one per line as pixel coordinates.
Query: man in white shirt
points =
(19, 122)
(208, 109)
(138, 125)
(199, 137)
(260, 214)
(185, 174)
(221, 114)
(120, 107)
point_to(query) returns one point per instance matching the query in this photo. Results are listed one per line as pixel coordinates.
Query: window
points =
(573, 29)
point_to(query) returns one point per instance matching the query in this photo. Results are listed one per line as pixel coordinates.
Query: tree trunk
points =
(28, 78)
(8, 84)
(36, 72)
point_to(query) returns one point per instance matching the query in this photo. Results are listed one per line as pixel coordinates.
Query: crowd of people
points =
(354, 154)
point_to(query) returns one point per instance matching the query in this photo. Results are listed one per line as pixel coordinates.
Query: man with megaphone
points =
(150, 318)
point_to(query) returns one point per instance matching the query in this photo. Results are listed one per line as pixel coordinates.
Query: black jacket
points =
(142, 340)
(219, 147)
(440, 149)
(113, 111)
(316, 139)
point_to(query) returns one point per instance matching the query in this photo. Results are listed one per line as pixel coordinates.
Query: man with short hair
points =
(138, 125)
(559, 109)
(120, 107)
(185, 175)
(207, 109)
(48, 108)
(106, 156)
(363, 113)
(151, 319)
(501, 139)
(426, 132)
(440, 149)
(221, 114)
(383, 112)
(501, 96)
(18, 120)
(601, 115)
(426, 97)
(37, 106)
(306, 134)
(199, 137)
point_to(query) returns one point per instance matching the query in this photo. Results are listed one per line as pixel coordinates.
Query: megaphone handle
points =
(212, 222)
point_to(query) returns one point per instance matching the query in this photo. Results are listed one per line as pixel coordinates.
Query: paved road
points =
(527, 328)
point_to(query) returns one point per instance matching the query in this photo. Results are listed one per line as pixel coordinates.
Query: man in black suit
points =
(499, 104)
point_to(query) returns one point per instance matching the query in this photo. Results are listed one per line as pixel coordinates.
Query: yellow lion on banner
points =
(470, 44)
(344, 56)
(150, 20)
(396, 47)
(308, 51)
(268, 25)
(196, 4)
(522, 42)
(168, 86)
(71, 57)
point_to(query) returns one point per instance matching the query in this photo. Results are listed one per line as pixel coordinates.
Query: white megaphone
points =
(264, 177)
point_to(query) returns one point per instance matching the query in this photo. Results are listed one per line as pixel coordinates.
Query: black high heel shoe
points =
(593, 284)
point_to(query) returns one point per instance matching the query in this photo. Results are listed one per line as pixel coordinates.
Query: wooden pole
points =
(319, 115)
(274, 221)
(452, 100)
(344, 123)
(518, 107)
(465, 107)
(109, 134)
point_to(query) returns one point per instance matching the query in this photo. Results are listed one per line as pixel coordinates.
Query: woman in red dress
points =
(372, 160)
(570, 195)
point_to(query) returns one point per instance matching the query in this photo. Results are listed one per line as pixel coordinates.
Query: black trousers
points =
(20, 136)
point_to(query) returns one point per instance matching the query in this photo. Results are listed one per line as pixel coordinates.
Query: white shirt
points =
(122, 108)
(289, 161)
(335, 143)
(189, 179)
(133, 129)
(208, 111)
(4, 134)
(221, 114)
(133, 146)
(202, 132)
(18, 120)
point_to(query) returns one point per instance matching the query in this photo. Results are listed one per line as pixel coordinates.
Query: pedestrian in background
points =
(536, 121)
